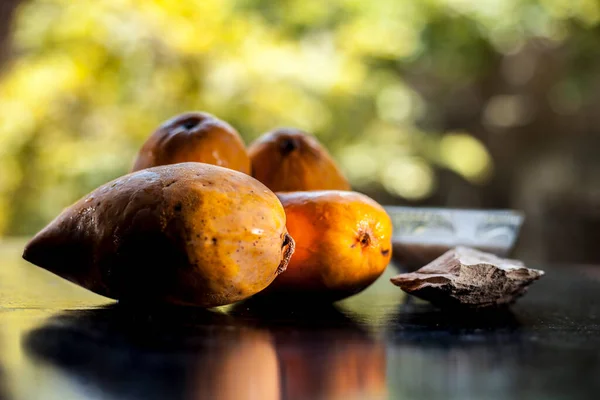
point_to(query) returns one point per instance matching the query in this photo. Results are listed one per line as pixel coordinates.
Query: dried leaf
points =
(470, 278)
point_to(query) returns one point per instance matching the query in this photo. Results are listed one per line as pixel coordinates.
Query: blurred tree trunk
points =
(7, 12)
(547, 166)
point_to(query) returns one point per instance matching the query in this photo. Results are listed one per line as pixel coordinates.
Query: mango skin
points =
(187, 233)
(194, 137)
(288, 160)
(343, 244)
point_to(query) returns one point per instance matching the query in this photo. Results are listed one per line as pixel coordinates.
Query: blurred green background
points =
(459, 103)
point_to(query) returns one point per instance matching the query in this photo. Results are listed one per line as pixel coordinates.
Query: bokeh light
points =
(467, 156)
(411, 178)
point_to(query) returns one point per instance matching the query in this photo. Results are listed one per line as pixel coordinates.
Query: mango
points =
(188, 233)
(288, 160)
(194, 136)
(343, 244)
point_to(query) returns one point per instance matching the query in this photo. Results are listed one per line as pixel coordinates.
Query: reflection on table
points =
(192, 354)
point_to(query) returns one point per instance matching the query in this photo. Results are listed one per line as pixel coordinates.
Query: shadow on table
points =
(493, 355)
(415, 315)
(183, 353)
(278, 313)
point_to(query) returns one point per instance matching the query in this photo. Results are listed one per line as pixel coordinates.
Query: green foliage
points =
(91, 79)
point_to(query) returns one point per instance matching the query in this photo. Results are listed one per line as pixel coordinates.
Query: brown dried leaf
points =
(471, 278)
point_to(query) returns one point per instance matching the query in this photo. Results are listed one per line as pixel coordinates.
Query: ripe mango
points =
(194, 136)
(343, 243)
(288, 159)
(188, 233)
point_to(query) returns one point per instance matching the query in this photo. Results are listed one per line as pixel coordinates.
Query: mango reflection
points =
(174, 354)
(339, 366)
(323, 352)
(246, 368)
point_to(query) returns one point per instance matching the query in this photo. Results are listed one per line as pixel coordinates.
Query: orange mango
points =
(288, 159)
(188, 233)
(343, 243)
(194, 136)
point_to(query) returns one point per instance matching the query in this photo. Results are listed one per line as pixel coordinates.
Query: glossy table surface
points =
(58, 341)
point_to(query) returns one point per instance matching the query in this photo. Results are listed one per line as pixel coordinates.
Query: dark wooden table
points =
(58, 341)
